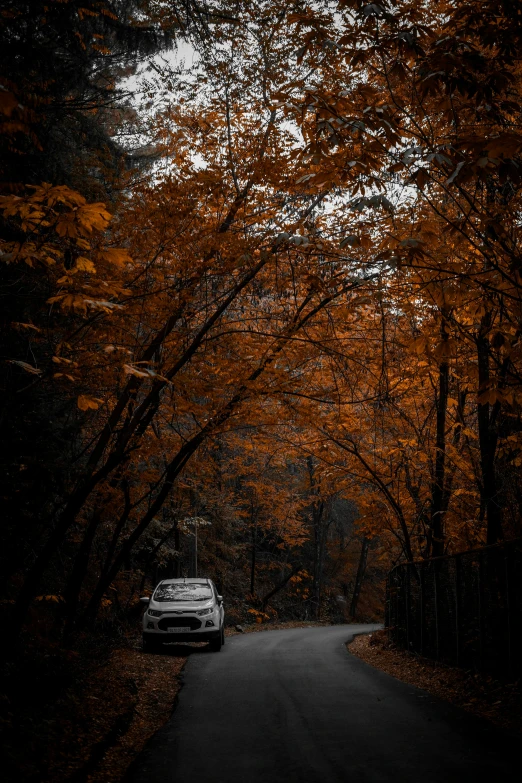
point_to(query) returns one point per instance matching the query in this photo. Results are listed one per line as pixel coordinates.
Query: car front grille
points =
(179, 622)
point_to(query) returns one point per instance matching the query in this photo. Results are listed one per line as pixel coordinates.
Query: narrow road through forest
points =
(294, 705)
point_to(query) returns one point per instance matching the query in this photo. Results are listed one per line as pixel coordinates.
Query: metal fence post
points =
(436, 591)
(457, 608)
(397, 614)
(481, 607)
(387, 603)
(421, 585)
(509, 618)
(407, 604)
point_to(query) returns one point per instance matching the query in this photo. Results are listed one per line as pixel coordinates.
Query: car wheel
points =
(223, 635)
(216, 644)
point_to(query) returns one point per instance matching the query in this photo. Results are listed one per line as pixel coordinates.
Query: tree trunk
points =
(323, 531)
(317, 520)
(361, 570)
(253, 562)
(81, 563)
(278, 587)
(487, 441)
(437, 490)
(316, 574)
(171, 532)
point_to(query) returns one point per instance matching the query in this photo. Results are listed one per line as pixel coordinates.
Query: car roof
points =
(186, 580)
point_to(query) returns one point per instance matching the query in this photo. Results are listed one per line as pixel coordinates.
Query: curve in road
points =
(294, 705)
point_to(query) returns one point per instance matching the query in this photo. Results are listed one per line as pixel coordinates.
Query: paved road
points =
(294, 706)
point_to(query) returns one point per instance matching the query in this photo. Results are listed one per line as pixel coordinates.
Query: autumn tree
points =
(425, 98)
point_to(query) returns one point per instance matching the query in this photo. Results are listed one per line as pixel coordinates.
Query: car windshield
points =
(183, 592)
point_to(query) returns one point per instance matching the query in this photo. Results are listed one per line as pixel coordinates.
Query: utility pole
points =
(195, 522)
(195, 548)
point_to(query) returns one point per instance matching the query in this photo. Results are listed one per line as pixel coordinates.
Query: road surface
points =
(294, 706)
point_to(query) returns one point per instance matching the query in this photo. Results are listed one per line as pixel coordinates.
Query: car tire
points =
(216, 644)
(223, 635)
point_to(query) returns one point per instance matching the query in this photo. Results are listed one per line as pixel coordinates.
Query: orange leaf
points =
(85, 403)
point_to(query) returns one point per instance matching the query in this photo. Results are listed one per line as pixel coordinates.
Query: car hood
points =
(180, 606)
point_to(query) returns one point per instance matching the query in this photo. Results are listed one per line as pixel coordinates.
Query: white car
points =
(184, 610)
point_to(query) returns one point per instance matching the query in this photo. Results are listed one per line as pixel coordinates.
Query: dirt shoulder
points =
(498, 702)
(82, 716)
(121, 706)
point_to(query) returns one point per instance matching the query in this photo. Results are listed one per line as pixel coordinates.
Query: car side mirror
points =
(145, 601)
(220, 599)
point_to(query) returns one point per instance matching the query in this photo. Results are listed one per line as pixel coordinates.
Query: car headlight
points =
(154, 613)
(205, 611)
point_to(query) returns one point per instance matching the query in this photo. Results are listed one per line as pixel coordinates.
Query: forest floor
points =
(498, 702)
(83, 716)
(123, 704)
